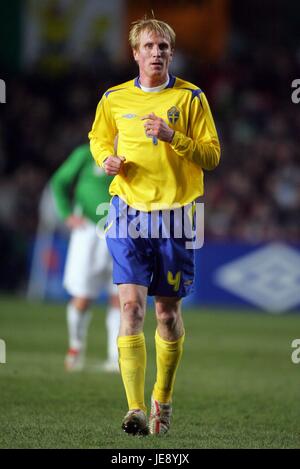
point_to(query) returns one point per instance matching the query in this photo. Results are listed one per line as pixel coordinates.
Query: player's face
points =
(153, 56)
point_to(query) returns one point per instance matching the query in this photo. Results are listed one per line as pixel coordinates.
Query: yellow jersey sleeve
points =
(103, 133)
(201, 145)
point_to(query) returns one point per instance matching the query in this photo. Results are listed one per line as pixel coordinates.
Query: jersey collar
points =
(170, 84)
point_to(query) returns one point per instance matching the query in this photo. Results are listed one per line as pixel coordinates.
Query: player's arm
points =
(61, 183)
(201, 145)
(102, 139)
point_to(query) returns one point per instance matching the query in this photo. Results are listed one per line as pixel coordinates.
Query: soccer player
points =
(166, 137)
(88, 266)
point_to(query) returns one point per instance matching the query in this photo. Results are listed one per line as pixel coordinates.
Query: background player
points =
(88, 266)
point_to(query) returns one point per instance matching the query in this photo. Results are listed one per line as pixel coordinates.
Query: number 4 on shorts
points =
(174, 280)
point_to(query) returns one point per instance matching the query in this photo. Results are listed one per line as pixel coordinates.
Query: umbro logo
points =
(188, 282)
(269, 277)
(129, 116)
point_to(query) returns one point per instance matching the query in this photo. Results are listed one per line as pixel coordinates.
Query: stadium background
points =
(57, 58)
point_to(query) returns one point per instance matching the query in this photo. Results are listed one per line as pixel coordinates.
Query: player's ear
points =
(135, 54)
(171, 55)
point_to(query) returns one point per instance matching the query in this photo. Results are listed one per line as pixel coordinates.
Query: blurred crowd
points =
(253, 196)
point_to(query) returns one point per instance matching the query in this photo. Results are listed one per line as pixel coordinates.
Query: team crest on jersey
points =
(173, 114)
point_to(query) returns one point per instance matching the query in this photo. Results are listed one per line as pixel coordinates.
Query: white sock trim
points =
(112, 327)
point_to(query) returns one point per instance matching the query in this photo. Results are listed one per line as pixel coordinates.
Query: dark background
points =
(244, 55)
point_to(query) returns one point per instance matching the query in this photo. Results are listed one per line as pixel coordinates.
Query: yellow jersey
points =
(156, 174)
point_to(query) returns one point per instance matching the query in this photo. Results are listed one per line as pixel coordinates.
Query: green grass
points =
(236, 385)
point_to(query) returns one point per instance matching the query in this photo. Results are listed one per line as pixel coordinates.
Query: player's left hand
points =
(156, 127)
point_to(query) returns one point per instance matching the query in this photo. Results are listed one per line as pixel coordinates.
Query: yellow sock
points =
(132, 361)
(168, 355)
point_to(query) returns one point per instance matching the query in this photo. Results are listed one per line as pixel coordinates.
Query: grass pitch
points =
(236, 386)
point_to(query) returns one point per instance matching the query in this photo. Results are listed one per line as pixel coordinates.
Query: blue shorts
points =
(160, 262)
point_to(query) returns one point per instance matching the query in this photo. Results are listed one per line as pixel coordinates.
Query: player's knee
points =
(82, 304)
(166, 317)
(133, 313)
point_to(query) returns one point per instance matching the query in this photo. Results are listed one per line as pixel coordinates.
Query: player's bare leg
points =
(133, 308)
(132, 356)
(169, 318)
(169, 339)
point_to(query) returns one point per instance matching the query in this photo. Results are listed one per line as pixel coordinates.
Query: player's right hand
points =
(74, 221)
(113, 164)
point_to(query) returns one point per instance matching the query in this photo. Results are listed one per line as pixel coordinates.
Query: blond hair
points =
(151, 25)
